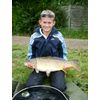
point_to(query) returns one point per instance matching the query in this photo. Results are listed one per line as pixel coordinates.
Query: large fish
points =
(51, 64)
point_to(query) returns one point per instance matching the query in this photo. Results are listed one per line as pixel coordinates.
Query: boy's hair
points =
(47, 13)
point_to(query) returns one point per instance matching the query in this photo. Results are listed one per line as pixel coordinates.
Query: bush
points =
(26, 15)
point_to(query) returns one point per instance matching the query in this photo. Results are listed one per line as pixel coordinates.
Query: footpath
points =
(71, 43)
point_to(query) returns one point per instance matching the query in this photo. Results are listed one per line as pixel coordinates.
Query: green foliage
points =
(25, 17)
(25, 13)
(73, 2)
(21, 73)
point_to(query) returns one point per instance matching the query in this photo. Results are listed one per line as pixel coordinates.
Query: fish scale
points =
(51, 64)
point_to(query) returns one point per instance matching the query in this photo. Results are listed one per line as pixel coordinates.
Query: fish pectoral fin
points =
(47, 73)
(37, 71)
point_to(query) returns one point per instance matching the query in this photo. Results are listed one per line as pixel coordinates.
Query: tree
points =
(26, 13)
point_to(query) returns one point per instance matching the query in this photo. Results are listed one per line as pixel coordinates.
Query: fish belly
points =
(44, 65)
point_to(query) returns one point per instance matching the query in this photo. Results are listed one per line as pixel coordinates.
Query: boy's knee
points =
(58, 81)
(60, 87)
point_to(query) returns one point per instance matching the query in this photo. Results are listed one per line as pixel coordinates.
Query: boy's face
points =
(46, 24)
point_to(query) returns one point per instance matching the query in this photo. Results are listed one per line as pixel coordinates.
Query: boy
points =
(47, 41)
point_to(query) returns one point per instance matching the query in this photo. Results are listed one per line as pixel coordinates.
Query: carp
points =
(51, 64)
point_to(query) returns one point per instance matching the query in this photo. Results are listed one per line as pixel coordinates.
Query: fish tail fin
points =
(75, 65)
(72, 64)
(77, 68)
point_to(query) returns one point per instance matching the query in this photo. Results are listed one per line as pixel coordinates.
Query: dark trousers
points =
(57, 79)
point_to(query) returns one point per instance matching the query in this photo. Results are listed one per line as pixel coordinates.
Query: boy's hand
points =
(28, 64)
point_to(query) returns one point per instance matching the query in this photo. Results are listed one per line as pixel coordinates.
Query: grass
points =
(21, 73)
(79, 78)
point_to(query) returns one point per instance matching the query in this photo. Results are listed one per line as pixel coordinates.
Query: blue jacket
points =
(40, 46)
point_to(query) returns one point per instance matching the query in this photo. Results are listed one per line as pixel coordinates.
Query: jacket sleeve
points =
(64, 47)
(30, 51)
(65, 52)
